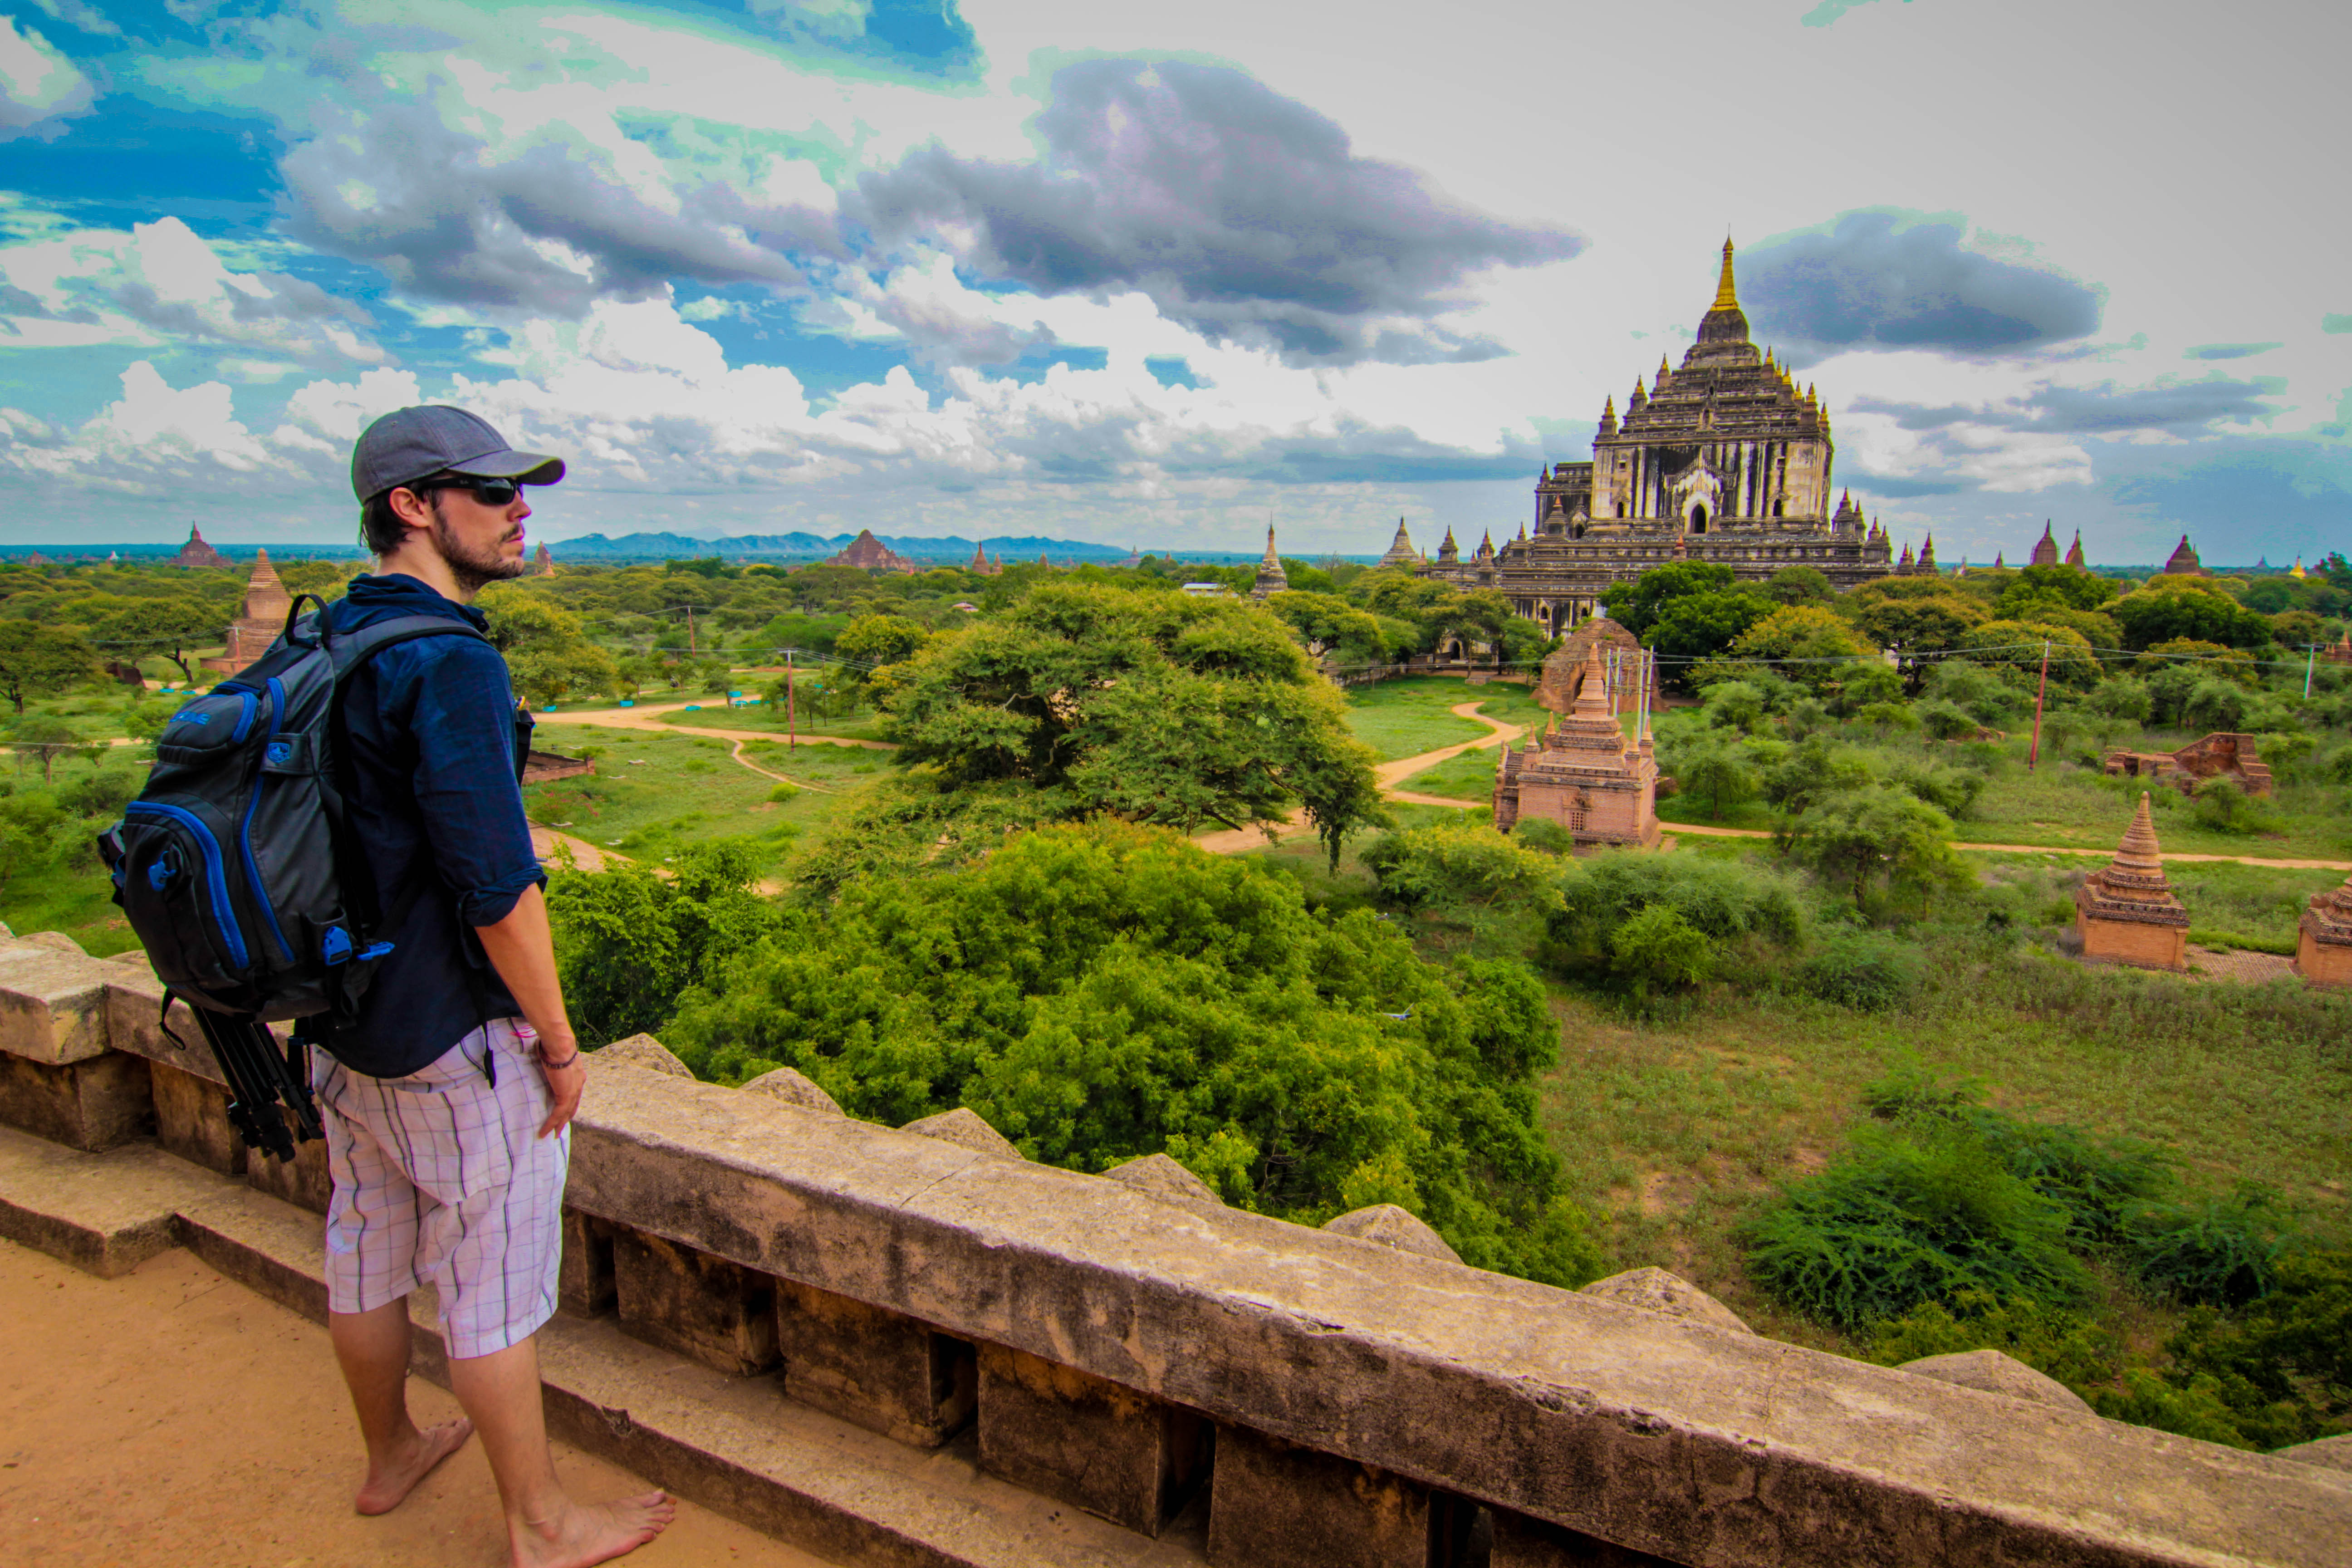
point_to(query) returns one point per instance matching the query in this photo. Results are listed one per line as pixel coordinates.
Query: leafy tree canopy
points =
(1155, 707)
(1799, 586)
(2173, 608)
(1636, 605)
(1705, 625)
(41, 661)
(1103, 992)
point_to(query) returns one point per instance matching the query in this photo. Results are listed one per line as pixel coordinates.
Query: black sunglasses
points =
(489, 492)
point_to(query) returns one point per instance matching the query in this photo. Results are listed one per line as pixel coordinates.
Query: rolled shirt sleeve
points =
(463, 720)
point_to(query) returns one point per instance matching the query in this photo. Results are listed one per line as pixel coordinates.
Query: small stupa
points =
(1582, 773)
(2323, 946)
(1271, 577)
(2126, 913)
(259, 619)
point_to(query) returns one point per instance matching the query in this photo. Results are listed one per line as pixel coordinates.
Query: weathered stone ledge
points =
(1125, 1345)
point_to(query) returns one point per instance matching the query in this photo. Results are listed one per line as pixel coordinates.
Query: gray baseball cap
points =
(410, 444)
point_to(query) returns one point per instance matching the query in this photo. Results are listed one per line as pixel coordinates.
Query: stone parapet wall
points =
(1125, 1345)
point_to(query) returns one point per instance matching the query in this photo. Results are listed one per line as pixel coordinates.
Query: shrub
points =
(1544, 833)
(1715, 773)
(630, 943)
(1735, 705)
(100, 794)
(2120, 697)
(1983, 695)
(1862, 970)
(1809, 771)
(2221, 1252)
(1877, 835)
(2214, 705)
(1454, 867)
(784, 792)
(1657, 950)
(2224, 807)
(1945, 721)
(1104, 990)
(1911, 1215)
(2054, 1343)
(1886, 717)
(1952, 791)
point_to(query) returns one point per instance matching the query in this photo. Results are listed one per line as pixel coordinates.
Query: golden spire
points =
(1726, 298)
(1663, 369)
(1638, 392)
(1609, 410)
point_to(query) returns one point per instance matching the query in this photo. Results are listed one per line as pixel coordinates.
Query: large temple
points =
(1723, 460)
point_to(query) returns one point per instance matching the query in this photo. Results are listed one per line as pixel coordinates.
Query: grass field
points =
(1469, 776)
(653, 794)
(1406, 718)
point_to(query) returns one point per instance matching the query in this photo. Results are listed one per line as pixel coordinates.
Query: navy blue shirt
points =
(431, 725)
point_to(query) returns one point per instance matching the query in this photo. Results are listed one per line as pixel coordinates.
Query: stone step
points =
(735, 1446)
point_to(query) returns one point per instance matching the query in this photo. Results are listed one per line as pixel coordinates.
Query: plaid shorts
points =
(441, 1176)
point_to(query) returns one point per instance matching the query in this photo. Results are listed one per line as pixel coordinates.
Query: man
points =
(445, 1107)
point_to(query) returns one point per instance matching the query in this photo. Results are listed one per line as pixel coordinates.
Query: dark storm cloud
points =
(452, 220)
(1881, 279)
(1242, 213)
(2182, 408)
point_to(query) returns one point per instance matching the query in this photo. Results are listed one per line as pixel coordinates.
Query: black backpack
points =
(237, 867)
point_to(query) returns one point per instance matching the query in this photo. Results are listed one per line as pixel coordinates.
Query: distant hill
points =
(952, 550)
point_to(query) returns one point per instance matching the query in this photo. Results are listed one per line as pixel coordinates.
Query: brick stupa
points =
(259, 619)
(2323, 946)
(196, 552)
(2126, 913)
(1583, 774)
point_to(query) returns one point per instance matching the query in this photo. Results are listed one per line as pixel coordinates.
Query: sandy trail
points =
(1707, 832)
(648, 718)
(1388, 775)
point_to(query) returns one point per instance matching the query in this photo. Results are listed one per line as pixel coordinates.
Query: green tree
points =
(1706, 625)
(1917, 629)
(1877, 835)
(2018, 646)
(1102, 991)
(548, 653)
(41, 661)
(1715, 773)
(2064, 587)
(1636, 605)
(1452, 866)
(173, 628)
(1799, 586)
(630, 944)
(45, 740)
(2178, 608)
(1328, 623)
(879, 641)
(1154, 708)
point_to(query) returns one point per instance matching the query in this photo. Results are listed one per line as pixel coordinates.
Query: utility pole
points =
(2033, 754)
(791, 721)
(2310, 658)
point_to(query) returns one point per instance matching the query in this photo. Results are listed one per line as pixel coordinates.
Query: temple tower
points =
(2127, 913)
(2074, 552)
(1401, 551)
(1582, 773)
(1271, 578)
(2184, 561)
(260, 619)
(2045, 549)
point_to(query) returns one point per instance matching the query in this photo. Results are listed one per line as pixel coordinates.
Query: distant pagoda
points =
(1271, 578)
(196, 552)
(2184, 561)
(869, 553)
(260, 620)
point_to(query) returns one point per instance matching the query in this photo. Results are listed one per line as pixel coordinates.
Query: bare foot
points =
(385, 1489)
(591, 1534)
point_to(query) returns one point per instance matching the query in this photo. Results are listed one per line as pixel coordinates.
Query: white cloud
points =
(39, 87)
(161, 282)
(155, 440)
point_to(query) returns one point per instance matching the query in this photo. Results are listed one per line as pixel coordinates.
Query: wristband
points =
(558, 1066)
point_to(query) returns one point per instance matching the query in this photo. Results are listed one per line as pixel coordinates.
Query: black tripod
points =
(259, 1076)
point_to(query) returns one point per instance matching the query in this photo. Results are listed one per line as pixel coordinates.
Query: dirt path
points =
(172, 1416)
(587, 855)
(1707, 832)
(1388, 775)
(648, 718)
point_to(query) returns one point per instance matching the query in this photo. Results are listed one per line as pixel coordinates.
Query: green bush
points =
(2214, 705)
(784, 792)
(2223, 807)
(1453, 867)
(1657, 950)
(1740, 912)
(1910, 1215)
(102, 794)
(2221, 1252)
(1865, 970)
(1944, 720)
(1983, 695)
(1105, 991)
(1542, 833)
(1952, 791)
(1810, 770)
(629, 945)
(2056, 1343)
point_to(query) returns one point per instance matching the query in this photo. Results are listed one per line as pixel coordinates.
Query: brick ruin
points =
(910, 1346)
(1582, 773)
(2223, 755)
(1562, 673)
(2323, 943)
(2126, 913)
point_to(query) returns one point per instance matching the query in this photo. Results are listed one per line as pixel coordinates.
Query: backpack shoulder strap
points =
(349, 651)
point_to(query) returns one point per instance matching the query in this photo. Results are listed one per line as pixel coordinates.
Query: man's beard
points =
(474, 569)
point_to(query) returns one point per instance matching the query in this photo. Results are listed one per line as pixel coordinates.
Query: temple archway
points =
(1698, 518)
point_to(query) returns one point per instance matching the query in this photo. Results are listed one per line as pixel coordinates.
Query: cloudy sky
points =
(1154, 275)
